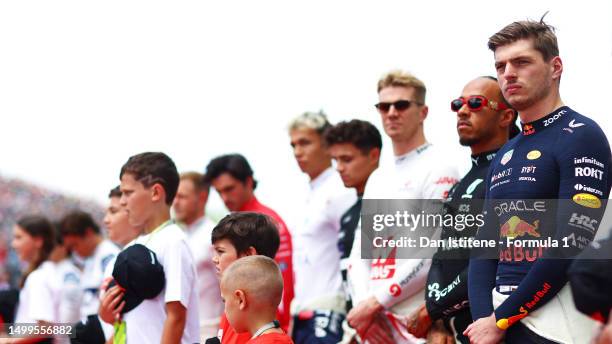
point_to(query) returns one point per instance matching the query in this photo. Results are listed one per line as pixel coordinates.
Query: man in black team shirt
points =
(559, 165)
(484, 123)
(355, 147)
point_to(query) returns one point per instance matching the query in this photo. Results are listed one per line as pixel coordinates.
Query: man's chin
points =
(467, 141)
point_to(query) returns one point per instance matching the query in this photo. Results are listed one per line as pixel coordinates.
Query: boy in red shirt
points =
(239, 235)
(252, 288)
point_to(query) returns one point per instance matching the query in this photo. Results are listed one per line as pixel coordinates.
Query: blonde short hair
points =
(311, 120)
(259, 276)
(400, 78)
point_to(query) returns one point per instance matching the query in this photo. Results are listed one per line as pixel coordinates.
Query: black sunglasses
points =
(399, 105)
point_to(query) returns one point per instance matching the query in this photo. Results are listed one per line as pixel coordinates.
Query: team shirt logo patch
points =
(587, 200)
(572, 124)
(581, 187)
(507, 156)
(534, 154)
(528, 129)
(471, 188)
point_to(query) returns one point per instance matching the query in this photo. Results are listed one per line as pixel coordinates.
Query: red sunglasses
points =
(476, 103)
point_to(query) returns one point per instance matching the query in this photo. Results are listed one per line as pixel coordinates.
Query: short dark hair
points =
(543, 35)
(235, 165)
(59, 239)
(76, 223)
(198, 180)
(114, 192)
(153, 168)
(246, 229)
(361, 134)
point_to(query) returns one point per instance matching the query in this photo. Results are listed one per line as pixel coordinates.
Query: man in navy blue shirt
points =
(560, 164)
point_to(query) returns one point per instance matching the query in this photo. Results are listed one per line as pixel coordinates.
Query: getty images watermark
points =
(509, 229)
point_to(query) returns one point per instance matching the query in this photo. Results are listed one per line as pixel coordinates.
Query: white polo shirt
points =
(68, 287)
(209, 295)
(145, 323)
(398, 284)
(93, 275)
(316, 258)
(38, 299)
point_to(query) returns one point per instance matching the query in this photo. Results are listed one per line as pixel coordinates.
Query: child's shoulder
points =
(272, 338)
(170, 234)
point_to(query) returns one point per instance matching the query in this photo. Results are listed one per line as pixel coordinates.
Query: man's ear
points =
(241, 297)
(158, 193)
(557, 67)
(506, 118)
(374, 154)
(203, 197)
(424, 111)
(249, 183)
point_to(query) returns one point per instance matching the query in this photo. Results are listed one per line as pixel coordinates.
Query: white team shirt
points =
(93, 274)
(209, 295)
(68, 287)
(38, 299)
(398, 284)
(145, 323)
(316, 258)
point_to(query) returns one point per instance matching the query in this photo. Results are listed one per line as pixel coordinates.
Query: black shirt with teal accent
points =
(560, 165)
(447, 292)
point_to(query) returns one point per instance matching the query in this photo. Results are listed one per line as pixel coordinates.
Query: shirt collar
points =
(321, 178)
(484, 157)
(401, 158)
(540, 124)
(251, 204)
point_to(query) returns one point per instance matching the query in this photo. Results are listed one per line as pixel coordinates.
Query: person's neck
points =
(488, 146)
(542, 108)
(158, 218)
(261, 322)
(404, 146)
(313, 175)
(196, 218)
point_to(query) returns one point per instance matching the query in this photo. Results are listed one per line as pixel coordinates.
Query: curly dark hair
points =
(361, 134)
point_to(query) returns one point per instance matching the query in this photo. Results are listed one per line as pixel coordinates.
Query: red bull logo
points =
(516, 227)
(504, 323)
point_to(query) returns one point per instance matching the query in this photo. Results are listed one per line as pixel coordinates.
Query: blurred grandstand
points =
(19, 198)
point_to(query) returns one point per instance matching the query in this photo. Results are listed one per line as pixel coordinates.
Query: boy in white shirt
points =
(148, 185)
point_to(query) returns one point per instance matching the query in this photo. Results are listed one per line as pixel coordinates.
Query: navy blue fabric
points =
(319, 327)
(562, 156)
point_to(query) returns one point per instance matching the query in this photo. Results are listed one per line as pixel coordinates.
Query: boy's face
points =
(225, 254)
(234, 307)
(136, 199)
(79, 245)
(116, 221)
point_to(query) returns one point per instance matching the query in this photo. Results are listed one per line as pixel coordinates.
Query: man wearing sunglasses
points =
(484, 123)
(387, 289)
(559, 166)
